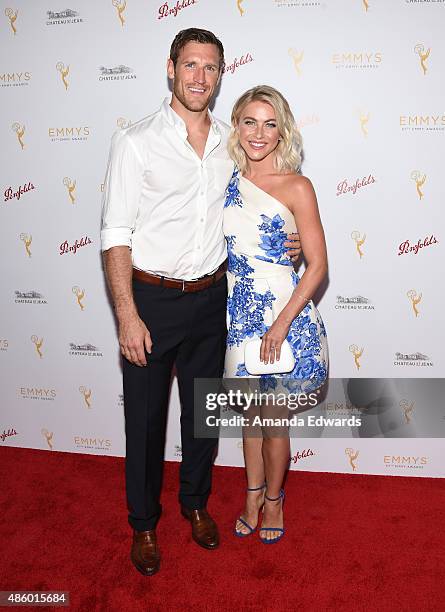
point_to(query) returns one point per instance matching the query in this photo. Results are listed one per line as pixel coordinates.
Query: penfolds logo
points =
(10, 194)
(302, 455)
(236, 63)
(7, 434)
(65, 247)
(165, 10)
(407, 247)
(344, 187)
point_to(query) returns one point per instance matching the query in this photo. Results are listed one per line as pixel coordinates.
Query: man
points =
(164, 255)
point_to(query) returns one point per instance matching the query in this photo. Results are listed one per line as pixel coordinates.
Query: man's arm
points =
(134, 337)
(293, 246)
(120, 203)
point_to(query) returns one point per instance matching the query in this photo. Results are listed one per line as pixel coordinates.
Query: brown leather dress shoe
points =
(145, 553)
(204, 529)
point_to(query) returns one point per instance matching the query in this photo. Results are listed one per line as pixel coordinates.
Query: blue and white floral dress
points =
(261, 281)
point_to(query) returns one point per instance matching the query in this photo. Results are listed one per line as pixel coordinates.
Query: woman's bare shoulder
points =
(298, 181)
(297, 189)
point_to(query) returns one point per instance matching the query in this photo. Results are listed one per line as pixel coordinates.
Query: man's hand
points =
(293, 246)
(134, 340)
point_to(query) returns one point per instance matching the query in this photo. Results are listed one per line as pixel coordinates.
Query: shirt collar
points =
(176, 121)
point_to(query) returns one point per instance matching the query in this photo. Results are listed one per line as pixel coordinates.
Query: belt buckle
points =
(183, 285)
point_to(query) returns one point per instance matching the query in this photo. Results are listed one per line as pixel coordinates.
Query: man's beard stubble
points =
(194, 109)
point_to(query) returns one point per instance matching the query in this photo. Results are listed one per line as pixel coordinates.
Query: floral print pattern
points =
(261, 279)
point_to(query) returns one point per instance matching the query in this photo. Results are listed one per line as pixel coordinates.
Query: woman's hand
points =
(272, 340)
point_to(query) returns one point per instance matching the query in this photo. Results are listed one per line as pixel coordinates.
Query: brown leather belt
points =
(186, 286)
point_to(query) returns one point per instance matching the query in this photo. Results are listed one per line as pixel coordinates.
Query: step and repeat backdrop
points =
(365, 81)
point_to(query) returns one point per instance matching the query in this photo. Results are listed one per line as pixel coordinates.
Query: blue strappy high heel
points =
(278, 538)
(251, 529)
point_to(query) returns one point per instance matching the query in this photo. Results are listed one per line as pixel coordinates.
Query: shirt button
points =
(202, 220)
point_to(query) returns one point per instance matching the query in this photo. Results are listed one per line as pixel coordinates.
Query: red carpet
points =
(353, 542)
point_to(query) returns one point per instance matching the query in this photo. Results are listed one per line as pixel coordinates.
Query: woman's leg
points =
(276, 453)
(253, 460)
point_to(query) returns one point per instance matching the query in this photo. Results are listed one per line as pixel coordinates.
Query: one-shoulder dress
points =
(261, 280)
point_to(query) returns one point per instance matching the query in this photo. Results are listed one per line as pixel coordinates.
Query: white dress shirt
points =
(164, 202)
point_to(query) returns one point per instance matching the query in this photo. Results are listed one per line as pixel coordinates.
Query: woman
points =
(266, 199)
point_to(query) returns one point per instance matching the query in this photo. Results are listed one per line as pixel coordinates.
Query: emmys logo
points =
(178, 450)
(357, 353)
(4, 345)
(20, 131)
(406, 247)
(166, 11)
(63, 17)
(15, 79)
(117, 73)
(405, 462)
(68, 133)
(27, 240)
(297, 58)
(352, 455)
(7, 434)
(9, 12)
(419, 49)
(84, 350)
(408, 409)
(365, 5)
(413, 359)
(38, 344)
(120, 8)
(71, 186)
(122, 123)
(86, 393)
(344, 187)
(357, 60)
(80, 294)
(364, 120)
(60, 67)
(414, 299)
(359, 241)
(357, 302)
(303, 455)
(236, 63)
(422, 123)
(65, 247)
(417, 177)
(35, 393)
(92, 443)
(48, 435)
(339, 409)
(11, 195)
(29, 297)
(240, 8)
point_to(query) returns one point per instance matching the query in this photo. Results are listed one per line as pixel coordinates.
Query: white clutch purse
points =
(255, 367)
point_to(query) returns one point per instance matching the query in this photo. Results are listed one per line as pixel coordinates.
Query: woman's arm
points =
(300, 194)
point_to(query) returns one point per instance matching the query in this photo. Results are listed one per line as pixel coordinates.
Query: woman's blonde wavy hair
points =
(288, 152)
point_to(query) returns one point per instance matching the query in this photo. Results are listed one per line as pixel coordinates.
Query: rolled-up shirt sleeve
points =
(122, 192)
